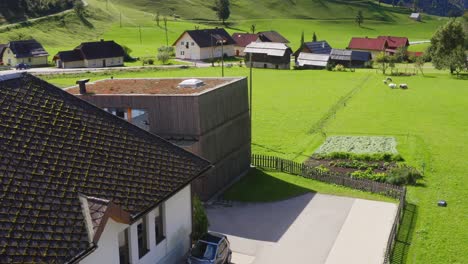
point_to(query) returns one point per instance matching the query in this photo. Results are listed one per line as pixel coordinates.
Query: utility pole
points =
(139, 28)
(165, 28)
(250, 97)
(120, 19)
(222, 58)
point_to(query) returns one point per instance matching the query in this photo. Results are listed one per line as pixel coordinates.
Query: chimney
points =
(82, 84)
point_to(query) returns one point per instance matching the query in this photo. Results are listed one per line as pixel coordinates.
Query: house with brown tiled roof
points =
(80, 185)
(393, 43)
(242, 40)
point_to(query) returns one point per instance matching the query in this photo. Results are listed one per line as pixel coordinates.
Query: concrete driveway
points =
(312, 228)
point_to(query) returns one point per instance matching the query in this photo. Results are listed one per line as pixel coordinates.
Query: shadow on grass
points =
(259, 186)
(405, 234)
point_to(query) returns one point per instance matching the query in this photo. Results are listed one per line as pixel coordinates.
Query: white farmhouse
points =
(204, 44)
(29, 52)
(81, 185)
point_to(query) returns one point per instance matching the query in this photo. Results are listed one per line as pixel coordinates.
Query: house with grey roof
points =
(97, 54)
(80, 185)
(312, 61)
(202, 44)
(350, 58)
(29, 52)
(268, 55)
(271, 36)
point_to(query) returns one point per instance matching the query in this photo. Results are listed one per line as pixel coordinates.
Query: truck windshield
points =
(203, 250)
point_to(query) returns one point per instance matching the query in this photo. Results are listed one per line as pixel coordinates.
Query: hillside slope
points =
(20, 10)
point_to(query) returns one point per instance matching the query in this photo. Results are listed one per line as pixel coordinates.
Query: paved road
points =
(312, 228)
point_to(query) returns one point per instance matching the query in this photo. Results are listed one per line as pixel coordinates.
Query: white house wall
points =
(194, 52)
(99, 63)
(177, 224)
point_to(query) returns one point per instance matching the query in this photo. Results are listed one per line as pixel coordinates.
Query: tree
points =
(222, 9)
(415, 5)
(383, 60)
(79, 9)
(200, 220)
(314, 38)
(253, 28)
(419, 64)
(401, 54)
(163, 56)
(359, 18)
(447, 46)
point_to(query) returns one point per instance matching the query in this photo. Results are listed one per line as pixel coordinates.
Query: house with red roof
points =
(395, 42)
(242, 40)
(387, 44)
(373, 45)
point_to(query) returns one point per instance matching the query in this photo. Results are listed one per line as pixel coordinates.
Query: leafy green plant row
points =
(364, 157)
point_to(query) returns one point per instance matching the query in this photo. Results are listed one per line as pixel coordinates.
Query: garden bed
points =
(358, 145)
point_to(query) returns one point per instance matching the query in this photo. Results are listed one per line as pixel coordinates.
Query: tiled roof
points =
(244, 39)
(395, 42)
(209, 37)
(55, 147)
(69, 55)
(271, 36)
(100, 50)
(27, 48)
(368, 44)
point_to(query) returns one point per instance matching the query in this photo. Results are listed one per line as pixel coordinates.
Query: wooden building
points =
(209, 118)
(350, 58)
(268, 55)
(312, 61)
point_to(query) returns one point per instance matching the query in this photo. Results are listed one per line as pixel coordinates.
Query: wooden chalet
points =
(268, 55)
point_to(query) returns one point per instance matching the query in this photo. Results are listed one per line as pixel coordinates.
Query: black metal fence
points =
(292, 167)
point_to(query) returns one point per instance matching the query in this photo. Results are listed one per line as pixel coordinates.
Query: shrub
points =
(163, 56)
(340, 68)
(403, 174)
(200, 220)
(364, 157)
(150, 61)
(330, 66)
(322, 169)
(369, 64)
(168, 49)
(127, 56)
(370, 175)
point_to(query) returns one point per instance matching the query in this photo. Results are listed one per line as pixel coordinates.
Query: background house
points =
(317, 47)
(307, 60)
(393, 43)
(268, 55)
(83, 186)
(242, 40)
(372, 45)
(211, 119)
(204, 44)
(416, 16)
(271, 36)
(91, 55)
(29, 52)
(350, 58)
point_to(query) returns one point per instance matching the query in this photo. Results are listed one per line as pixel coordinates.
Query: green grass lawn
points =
(268, 186)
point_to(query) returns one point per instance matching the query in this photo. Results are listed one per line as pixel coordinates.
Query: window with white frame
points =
(159, 224)
(142, 236)
(124, 254)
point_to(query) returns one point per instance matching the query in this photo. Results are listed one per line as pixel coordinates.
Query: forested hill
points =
(435, 7)
(18, 10)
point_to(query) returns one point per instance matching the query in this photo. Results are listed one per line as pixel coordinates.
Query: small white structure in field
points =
(416, 16)
(392, 85)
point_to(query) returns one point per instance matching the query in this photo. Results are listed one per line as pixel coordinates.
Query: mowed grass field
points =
(294, 112)
(133, 23)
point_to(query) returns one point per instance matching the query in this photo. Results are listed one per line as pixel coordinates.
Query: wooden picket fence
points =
(300, 169)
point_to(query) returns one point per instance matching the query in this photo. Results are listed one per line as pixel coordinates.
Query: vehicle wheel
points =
(228, 260)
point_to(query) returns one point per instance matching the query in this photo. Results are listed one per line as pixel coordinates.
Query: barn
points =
(270, 55)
